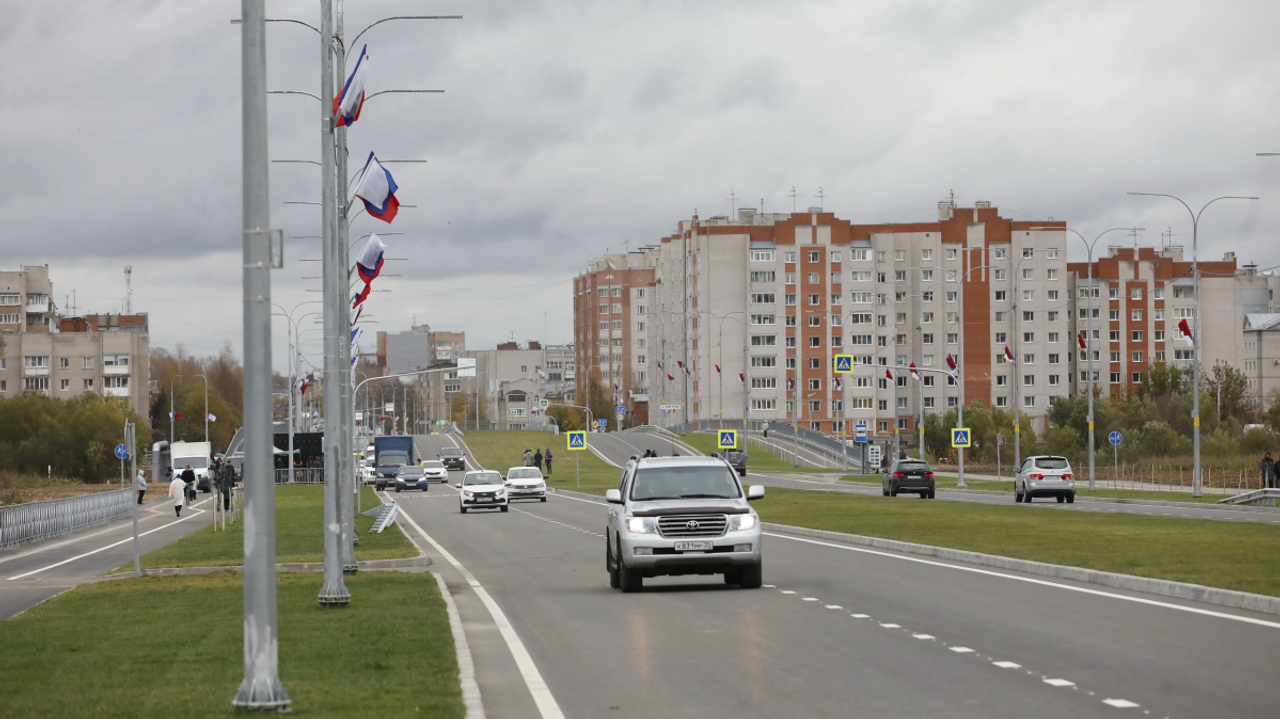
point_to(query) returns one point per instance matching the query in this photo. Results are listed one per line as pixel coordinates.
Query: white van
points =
(197, 455)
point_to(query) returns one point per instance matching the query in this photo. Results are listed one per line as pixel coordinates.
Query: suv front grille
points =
(692, 525)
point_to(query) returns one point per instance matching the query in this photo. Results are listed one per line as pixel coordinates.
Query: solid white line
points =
(1030, 580)
(116, 544)
(542, 697)
(466, 666)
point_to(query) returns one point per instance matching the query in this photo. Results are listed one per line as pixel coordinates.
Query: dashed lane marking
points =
(832, 606)
(961, 650)
(562, 524)
(1121, 703)
(891, 625)
(923, 636)
(1007, 665)
(1059, 682)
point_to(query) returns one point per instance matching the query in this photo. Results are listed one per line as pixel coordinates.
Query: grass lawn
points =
(949, 481)
(172, 647)
(299, 535)
(759, 459)
(502, 450)
(1233, 555)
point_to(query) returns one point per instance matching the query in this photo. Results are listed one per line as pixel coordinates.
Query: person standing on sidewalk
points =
(178, 493)
(528, 458)
(140, 484)
(1268, 468)
(546, 458)
(537, 460)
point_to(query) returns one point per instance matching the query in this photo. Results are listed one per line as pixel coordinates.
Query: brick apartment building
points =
(612, 327)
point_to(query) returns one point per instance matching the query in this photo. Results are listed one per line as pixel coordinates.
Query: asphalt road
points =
(30, 574)
(619, 446)
(837, 631)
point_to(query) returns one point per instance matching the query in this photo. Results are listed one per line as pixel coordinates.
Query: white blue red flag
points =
(951, 363)
(361, 297)
(669, 377)
(1008, 354)
(742, 376)
(356, 309)
(888, 375)
(347, 106)
(791, 383)
(369, 263)
(839, 384)
(377, 189)
(1184, 329)
(914, 372)
(355, 337)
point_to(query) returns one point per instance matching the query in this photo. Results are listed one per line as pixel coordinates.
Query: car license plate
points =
(693, 546)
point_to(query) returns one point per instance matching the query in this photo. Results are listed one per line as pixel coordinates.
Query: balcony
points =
(116, 391)
(116, 370)
(37, 305)
(35, 371)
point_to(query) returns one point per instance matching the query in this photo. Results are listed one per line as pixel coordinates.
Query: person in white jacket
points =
(140, 484)
(177, 492)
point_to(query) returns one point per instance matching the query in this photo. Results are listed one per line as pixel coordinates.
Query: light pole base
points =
(334, 596)
(350, 569)
(262, 694)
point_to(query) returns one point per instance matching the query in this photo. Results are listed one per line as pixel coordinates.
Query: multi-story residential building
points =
(65, 356)
(772, 298)
(1262, 356)
(419, 348)
(613, 313)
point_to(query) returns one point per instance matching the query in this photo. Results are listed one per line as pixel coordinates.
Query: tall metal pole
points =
(334, 591)
(261, 688)
(131, 442)
(960, 417)
(206, 406)
(1017, 412)
(1089, 353)
(897, 439)
(344, 428)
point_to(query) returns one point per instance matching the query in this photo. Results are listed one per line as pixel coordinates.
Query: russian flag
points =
(369, 263)
(175, 415)
(347, 106)
(742, 376)
(1009, 355)
(914, 372)
(669, 377)
(839, 384)
(951, 363)
(1185, 330)
(356, 309)
(1080, 339)
(791, 383)
(377, 189)
(888, 375)
(659, 365)
(355, 337)
(361, 297)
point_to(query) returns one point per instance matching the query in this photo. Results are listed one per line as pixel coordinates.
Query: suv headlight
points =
(467, 493)
(739, 522)
(642, 525)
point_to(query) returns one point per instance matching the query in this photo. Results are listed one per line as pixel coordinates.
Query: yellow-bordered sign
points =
(728, 438)
(577, 440)
(844, 364)
(961, 437)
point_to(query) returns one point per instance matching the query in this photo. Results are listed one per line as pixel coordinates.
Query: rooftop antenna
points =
(793, 199)
(821, 197)
(1134, 233)
(733, 204)
(128, 289)
(1169, 234)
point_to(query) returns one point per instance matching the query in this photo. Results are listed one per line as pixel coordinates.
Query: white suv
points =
(1042, 476)
(681, 515)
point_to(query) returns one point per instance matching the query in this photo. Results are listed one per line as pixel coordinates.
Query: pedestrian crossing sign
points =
(844, 364)
(728, 438)
(577, 440)
(960, 437)
(544, 403)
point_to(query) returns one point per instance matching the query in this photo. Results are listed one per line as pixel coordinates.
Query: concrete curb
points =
(462, 650)
(1162, 587)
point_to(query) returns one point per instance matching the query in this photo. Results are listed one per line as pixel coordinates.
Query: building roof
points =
(1260, 322)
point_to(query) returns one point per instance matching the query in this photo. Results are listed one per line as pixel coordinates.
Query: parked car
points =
(908, 475)
(435, 471)
(411, 476)
(481, 489)
(453, 458)
(1043, 476)
(367, 475)
(682, 515)
(526, 483)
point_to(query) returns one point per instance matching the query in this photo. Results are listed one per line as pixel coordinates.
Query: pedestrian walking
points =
(140, 484)
(537, 459)
(546, 459)
(528, 458)
(178, 493)
(189, 477)
(766, 430)
(225, 480)
(1268, 468)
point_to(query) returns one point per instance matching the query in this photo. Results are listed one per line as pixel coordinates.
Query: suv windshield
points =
(1052, 463)
(715, 482)
(482, 478)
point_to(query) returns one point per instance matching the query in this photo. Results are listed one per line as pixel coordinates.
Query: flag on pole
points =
(377, 189)
(717, 369)
(360, 297)
(209, 416)
(914, 372)
(1080, 339)
(951, 363)
(1184, 329)
(742, 376)
(356, 332)
(369, 263)
(1009, 355)
(175, 415)
(839, 384)
(347, 105)
(669, 377)
(888, 375)
(356, 309)
(791, 383)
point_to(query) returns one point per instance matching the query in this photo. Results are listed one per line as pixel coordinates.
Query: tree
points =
(463, 408)
(69, 437)
(1229, 387)
(599, 398)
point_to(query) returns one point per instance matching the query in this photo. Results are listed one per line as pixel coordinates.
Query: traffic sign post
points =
(728, 439)
(844, 364)
(960, 438)
(860, 437)
(543, 403)
(577, 441)
(602, 425)
(860, 432)
(1115, 438)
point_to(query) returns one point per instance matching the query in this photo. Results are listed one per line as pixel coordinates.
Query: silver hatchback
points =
(1045, 476)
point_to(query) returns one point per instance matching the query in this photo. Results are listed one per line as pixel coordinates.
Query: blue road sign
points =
(960, 437)
(620, 409)
(602, 423)
(122, 452)
(860, 432)
(577, 440)
(728, 438)
(1114, 438)
(844, 364)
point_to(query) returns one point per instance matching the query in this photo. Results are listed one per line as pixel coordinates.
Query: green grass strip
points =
(1231, 555)
(299, 535)
(172, 647)
(759, 459)
(949, 482)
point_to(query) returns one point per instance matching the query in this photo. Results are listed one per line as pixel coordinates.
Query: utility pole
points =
(346, 464)
(261, 688)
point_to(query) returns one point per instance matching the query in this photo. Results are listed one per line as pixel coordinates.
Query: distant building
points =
(419, 348)
(614, 307)
(44, 352)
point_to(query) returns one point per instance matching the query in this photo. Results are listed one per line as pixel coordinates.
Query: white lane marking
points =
(811, 599)
(466, 664)
(788, 591)
(890, 625)
(1007, 665)
(860, 616)
(151, 512)
(577, 499)
(961, 650)
(562, 524)
(1060, 682)
(769, 586)
(1120, 703)
(1031, 580)
(192, 515)
(923, 636)
(542, 697)
(832, 606)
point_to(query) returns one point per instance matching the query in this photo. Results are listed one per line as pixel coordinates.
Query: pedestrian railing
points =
(300, 475)
(32, 521)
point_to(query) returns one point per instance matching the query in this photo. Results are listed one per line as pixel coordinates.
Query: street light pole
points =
(206, 407)
(260, 688)
(1195, 337)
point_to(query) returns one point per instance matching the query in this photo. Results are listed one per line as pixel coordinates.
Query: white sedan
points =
(481, 489)
(435, 471)
(526, 483)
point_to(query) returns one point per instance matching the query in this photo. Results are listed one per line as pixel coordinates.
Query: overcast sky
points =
(571, 127)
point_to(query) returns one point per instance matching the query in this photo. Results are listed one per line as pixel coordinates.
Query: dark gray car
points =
(908, 475)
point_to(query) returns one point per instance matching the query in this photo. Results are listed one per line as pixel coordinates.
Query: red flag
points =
(1008, 354)
(1080, 339)
(791, 383)
(914, 372)
(673, 379)
(888, 375)
(717, 369)
(839, 384)
(659, 365)
(742, 376)
(1185, 330)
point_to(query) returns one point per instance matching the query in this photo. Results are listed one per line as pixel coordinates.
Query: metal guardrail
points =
(300, 475)
(1261, 497)
(815, 441)
(31, 521)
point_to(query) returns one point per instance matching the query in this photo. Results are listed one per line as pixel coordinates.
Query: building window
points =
(791, 363)
(860, 339)
(860, 298)
(1028, 295)
(1114, 335)
(617, 325)
(926, 338)
(115, 382)
(789, 278)
(815, 320)
(836, 342)
(1029, 401)
(788, 257)
(926, 318)
(815, 300)
(1137, 377)
(1028, 380)
(999, 275)
(762, 298)
(815, 341)
(1184, 354)
(1053, 337)
(815, 256)
(860, 255)
(902, 403)
(1137, 357)
(1157, 315)
(764, 319)
(1053, 380)
(1135, 293)
(927, 380)
(1001, 317)
(899, 255)
(791, 342)
(1051, 295)
(926, 275)
(1136, 335)
(641, 359)
(617, 308)
(900, 276)
(88, 385)
(1158, 335)
(764, 340)
(764, 361)
(763, 276)
(764, 404)
(639, 309)
(615, 292)
(815, 363)
(1028, 274)
(1115, 378)
(764, 383)
(880, 256)
(860, 275)
(953, 338)
(1001, 380)
(1184, 313)
(1054, 359)
(37, 384)
(762, 255)
(604, 309)
(1135, 315)
(836, 298)
(815, 385)
(1158, 356)
(1051, 274)
(1028, 359)
(1002, 401)
(790, 320)
(1028, 337)
(64, 384)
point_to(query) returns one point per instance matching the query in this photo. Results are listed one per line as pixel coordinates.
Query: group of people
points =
(182, 489)
(1269, 469)
(536, 458)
